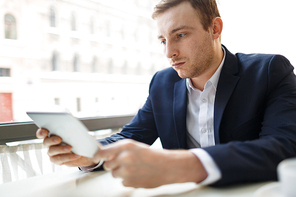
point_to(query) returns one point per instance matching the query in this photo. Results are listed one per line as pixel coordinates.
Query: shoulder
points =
(265, 68)
(263, 60)
(266, 64)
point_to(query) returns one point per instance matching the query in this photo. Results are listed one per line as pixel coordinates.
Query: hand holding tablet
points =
(69, 128)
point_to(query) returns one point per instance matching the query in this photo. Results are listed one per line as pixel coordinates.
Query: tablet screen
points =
(70, 129)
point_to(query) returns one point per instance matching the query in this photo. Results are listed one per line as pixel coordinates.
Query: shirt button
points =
(204, 100)
(203, 130)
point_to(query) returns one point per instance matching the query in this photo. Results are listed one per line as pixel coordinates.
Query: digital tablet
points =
(69, 128)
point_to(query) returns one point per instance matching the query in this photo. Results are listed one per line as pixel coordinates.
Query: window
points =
(52, 17)
(56, 57)
(10, 27)
(139, 69)
(94, 65)
(41, 51)
(152, 69)
(76, 63)
(125, 67)
(78, 104)
(110, 66)
(136, 35)
(55, 61)
(73, 22)
(122, 31)
(4, 72)
(57, 101)
(6, 114)
(91, 26)
(108, 29)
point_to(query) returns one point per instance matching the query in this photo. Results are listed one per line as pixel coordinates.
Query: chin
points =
(182, 75)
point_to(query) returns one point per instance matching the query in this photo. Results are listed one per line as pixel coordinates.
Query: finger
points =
(121, 172)
(57, 150)
(111, 164)
(130, 183)
(115, 148)
(51, 141)
(116, 173)
(64, 158)
(42, 133)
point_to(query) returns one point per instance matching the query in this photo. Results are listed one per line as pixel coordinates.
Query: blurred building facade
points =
(94, 57)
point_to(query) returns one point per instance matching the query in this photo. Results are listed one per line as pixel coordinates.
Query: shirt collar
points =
(213, 80)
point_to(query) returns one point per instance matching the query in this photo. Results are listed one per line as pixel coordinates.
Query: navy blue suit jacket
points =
(254, 116)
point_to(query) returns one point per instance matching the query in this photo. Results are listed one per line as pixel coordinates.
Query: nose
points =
(171, 50)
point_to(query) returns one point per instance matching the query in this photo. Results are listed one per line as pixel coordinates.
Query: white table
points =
(74, 183)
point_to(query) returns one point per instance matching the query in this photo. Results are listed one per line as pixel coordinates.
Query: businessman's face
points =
(188, 47)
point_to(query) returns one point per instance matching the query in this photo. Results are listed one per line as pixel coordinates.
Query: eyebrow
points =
(176, 29)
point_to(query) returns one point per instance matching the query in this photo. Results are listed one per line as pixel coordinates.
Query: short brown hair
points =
(207, 10)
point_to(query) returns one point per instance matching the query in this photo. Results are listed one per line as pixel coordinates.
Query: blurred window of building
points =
(125, 67)
(139, 68)
(4, 72)
(122, 31)
(10, 27)
(108, 28)
(57, 101)
(78, 104)
(110, 66)
(94, 65)
(152, 69)
(55, 61)
(92, 26)
(76, 63)
(52, 17)
(73, 22)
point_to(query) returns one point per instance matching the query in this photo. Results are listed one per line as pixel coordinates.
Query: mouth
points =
(177, 65)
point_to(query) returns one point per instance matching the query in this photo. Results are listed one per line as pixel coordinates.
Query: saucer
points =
(270, 190)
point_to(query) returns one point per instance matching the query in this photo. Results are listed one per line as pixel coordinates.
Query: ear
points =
(217, 27)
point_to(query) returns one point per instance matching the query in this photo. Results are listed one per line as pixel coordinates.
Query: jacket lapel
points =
(227, 82)
(226, 85)
(180, 110)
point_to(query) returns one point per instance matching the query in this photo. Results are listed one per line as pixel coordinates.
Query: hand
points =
(60, 153)
(140, 166)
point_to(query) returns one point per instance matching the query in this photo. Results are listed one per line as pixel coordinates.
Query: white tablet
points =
(69, 128)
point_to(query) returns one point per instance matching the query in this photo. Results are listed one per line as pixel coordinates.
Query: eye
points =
(163, 42)
(181, 35)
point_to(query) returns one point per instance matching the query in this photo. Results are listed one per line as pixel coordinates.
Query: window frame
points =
(12, 132)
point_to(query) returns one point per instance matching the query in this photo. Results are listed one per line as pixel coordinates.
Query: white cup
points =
(287, 177)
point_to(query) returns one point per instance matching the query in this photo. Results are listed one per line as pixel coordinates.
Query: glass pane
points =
(83, 64)
(116, 49)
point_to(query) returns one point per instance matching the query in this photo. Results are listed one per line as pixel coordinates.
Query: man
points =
(235, 113)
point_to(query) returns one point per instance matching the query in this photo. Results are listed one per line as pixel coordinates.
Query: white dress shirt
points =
(200, 122)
